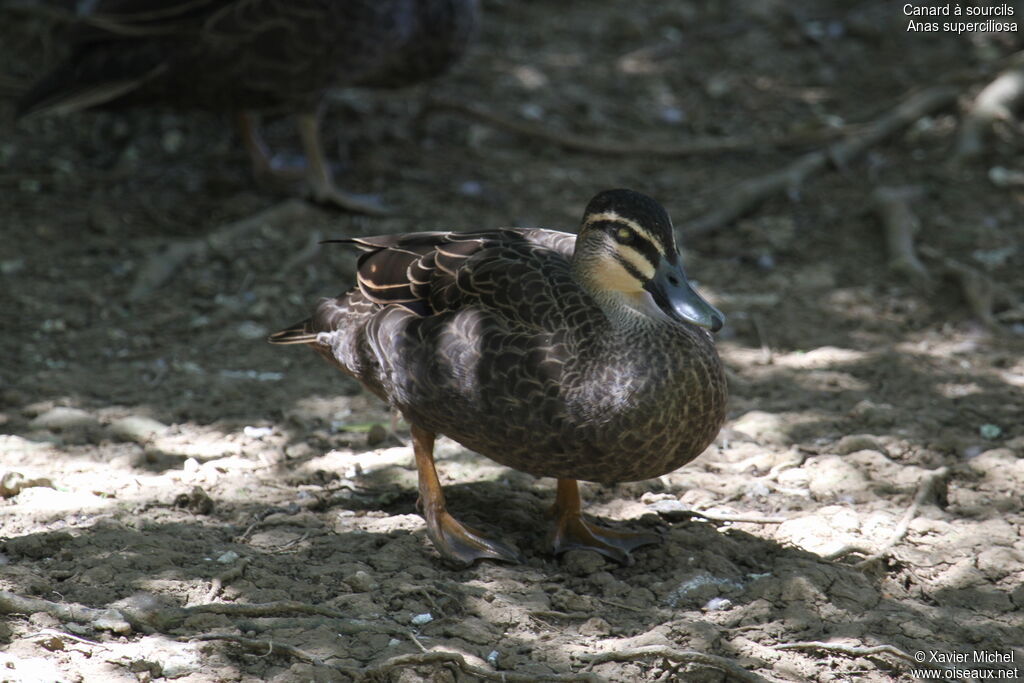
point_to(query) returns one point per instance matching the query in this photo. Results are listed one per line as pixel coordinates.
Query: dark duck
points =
(578, 357)
(251, 57)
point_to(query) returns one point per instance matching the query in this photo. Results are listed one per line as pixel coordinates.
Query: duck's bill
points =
(676, 297)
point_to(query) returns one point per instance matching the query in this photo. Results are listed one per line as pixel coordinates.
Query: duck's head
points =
(626, 252)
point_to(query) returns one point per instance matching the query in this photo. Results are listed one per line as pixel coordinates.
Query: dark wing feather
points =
(299, 333)
(461, 290)
(432, 272)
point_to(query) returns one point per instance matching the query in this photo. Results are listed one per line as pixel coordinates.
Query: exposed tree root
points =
(725, 517)
(435, 658)
(99, 619)
(926, 490)
(259, 647)
(735, 671)
(848, 650)
(161, 267)
(143, 614)
(863, 651)
(996, 102)
(234, 572)
(457, 661)
(901, 224)
(587, 144)
(981, 293)
(747, 195)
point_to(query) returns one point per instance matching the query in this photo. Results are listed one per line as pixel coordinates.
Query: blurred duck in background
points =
(251, 57)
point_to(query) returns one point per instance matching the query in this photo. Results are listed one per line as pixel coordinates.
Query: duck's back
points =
(240, 54)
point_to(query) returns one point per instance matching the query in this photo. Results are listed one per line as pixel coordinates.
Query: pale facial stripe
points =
(638, 261)
(613, 217)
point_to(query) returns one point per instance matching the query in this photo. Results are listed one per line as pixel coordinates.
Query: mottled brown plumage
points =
(561, 356)
(252, 55)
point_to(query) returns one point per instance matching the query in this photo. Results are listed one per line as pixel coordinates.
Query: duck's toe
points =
(463, 545)
(369, 205)
(572, 532)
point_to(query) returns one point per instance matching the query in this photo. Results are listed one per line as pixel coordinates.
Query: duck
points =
(585, 356)
(254, 58)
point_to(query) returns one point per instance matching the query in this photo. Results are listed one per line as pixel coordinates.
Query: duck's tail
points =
(296, 334)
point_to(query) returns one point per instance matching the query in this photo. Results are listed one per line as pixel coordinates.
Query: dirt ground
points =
(183, 501)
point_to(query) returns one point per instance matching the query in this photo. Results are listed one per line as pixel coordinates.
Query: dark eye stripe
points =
(644, 247)
(630, 268)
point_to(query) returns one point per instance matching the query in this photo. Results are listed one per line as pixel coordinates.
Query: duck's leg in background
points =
(572, 531)
(314, 170)
(456, 542)
(319, 178)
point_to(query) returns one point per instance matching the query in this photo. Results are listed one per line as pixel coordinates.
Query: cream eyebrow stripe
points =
(637, 260)
(613, 217)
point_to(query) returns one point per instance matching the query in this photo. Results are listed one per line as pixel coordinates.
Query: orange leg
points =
(572, 531)
(456, 542)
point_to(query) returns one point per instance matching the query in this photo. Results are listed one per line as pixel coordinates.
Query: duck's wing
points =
(426, 305)
(508, 271)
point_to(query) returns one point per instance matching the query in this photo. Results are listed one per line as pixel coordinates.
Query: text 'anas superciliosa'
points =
(574, 357)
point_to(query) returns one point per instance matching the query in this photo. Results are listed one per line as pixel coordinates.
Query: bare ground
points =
(182, 501)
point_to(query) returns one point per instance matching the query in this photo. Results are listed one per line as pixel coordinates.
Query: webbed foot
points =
(457, 543)
(464, 545)
(571, 531)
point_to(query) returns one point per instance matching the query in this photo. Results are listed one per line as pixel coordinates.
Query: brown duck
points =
(570, 356)
(250, 56)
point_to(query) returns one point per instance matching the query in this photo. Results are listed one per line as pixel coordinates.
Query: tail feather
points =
(90, 79)
(296, 334)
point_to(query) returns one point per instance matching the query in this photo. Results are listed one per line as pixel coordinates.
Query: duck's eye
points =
(624, 235)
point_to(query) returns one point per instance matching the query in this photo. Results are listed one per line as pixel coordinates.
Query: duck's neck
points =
(630, 313)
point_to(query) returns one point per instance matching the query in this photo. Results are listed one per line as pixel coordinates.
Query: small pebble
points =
(173, 140)
(471, 188)
(851, 443)
(758, 489)
(990, 431)
(1005, 177)
(247, 329)
(361, 582)
(136, 428)
(673, 115)
(718, 604)
(61, 419)
(973, 451)
(228, 557)
(529, 111)
(421, 619)
(13, 483)
(376, 435)
(257, 432)
(492, 658)
(673, 510)
(12, 266)
(582, 562)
